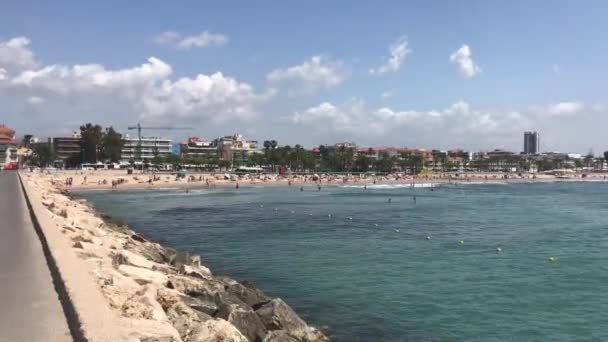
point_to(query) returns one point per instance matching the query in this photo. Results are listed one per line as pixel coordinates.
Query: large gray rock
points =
(203, 304)
(248, 293)
(279, 336)
(216, 330)
(194, 286)
(244, 319)
(277, 315)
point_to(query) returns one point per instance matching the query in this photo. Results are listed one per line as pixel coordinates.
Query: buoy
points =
(498, 250)
(396, 230)
(275, 209)
(328, 215)
(375, 225)
(293, 212)
(310, 214)
(461, 242)
(350, 218)
(428, 237)
(551, 259)
(261, 206)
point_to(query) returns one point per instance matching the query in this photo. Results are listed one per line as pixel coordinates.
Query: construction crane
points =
(138, 127)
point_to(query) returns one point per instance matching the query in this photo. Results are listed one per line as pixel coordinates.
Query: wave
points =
(393, 186)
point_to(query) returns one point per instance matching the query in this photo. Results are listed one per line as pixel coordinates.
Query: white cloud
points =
(16, 52)
(462, 59)
(563, 108)
(387, 94)
(458, 119)
(34, 100)
(556, 69)
(90, 78)
(317, 72)
(3, 74)
(216, 97)
(203, 39)
(398, 52)
(146, 90)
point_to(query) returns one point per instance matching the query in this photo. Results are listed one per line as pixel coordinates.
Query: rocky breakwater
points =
(161, 294)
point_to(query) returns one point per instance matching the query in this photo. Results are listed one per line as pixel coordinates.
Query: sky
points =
(434, 74)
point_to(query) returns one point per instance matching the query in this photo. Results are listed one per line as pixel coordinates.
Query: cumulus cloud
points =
(565, 108)
(317, 72)
(387, 94)
(203, 39)
(217, 97)
(463, 60)
(557, 70)
(89, 78)
(459, 119)
(398, 52)
(147, 89)
(34, 100)
(16, 52)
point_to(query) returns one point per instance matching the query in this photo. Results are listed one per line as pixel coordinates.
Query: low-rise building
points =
(64, 148)
(197, 148)
(233, 148)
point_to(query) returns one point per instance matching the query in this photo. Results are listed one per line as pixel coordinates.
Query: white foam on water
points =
(391, 186)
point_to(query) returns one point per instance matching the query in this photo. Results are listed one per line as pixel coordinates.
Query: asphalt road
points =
(29, 305)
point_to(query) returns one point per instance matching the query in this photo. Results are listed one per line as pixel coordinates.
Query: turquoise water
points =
(365, 283)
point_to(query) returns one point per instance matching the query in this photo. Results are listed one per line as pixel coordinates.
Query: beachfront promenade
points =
(31, 310)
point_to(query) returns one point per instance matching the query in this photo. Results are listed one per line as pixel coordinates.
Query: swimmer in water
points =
(414, 199)
(365, 187)
(319, 188)
(390, 200)
(301, 188)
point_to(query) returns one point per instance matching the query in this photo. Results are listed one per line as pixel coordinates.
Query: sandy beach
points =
(154, 292)
(104, 179)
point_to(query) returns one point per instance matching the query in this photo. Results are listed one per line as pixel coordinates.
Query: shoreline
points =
(158, 293)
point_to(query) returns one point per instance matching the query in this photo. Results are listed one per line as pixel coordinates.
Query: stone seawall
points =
(124, 287)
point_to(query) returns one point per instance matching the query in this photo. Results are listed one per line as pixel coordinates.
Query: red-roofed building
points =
(7, 141)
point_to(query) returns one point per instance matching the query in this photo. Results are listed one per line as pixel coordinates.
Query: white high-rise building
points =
(150, 146)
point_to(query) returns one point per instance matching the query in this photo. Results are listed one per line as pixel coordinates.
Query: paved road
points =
(29, 305)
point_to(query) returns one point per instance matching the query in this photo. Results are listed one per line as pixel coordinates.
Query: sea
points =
(474, 262)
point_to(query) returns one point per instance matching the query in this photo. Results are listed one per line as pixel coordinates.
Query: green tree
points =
(112, 145)
(91, 142)
(42, 155)
(26, 140)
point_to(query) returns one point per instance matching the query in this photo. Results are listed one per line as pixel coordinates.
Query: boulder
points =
(277, 315)
(202, 304)
(143, 304)
(148, 250)
(142, 275)
(279, 336)
(248, 293)
(128, 258)
(216, 330)
(195, 271)
(244, 319)
(183, 318)
(194, 286)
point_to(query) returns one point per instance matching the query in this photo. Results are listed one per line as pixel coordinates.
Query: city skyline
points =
(415, 75)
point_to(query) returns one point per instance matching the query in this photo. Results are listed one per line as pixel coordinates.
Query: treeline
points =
(96, 144)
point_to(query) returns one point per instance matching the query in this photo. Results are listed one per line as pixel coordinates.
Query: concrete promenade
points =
(31, 310)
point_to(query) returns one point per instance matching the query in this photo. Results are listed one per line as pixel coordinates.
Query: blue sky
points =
(535, 65)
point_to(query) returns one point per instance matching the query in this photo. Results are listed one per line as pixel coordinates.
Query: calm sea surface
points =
(362, 282)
